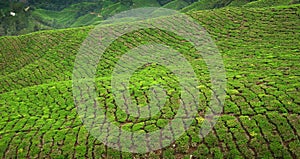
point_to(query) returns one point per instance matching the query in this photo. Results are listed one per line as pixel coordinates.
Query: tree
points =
(191, 1)
(2, 31)
(163, 2)
(126, 2)
(295, 2)
(16, 6)
(36, 28)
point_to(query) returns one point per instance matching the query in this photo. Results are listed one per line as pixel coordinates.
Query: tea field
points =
(260, 119)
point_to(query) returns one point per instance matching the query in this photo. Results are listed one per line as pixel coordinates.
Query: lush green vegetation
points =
(34, 15)
(211, 4)
(176, 5)
(267, 3)
(260, 48)
(38, 15)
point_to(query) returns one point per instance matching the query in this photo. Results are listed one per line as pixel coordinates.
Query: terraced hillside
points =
(260, 49)
(33, 15)
(212, 4)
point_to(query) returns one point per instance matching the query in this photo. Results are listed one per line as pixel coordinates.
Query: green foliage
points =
(41, 15)
(212, 4)
(268, 3)
(176, 5)
(206, 4)
(261, 113)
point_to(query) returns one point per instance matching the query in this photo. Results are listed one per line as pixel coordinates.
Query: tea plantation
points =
(260, 119)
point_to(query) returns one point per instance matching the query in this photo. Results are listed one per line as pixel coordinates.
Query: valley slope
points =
(260, 49)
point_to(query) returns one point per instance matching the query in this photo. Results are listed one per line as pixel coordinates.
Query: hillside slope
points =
(212, 4)
(260, 49)
(31, 16)
(268, 3)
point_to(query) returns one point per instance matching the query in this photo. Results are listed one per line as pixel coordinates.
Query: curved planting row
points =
(260, 118)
